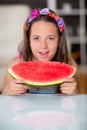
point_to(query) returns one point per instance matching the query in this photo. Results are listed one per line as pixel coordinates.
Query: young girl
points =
(44, 40)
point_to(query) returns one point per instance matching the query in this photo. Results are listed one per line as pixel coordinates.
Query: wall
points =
(12, 18)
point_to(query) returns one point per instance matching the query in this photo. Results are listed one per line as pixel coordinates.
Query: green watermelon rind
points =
(41, 84)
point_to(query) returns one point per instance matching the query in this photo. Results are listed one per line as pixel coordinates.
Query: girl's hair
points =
(24, 47)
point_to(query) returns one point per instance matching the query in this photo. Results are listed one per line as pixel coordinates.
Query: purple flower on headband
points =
(60, 22)
(29, 19)
(44, 11)
(34, 14)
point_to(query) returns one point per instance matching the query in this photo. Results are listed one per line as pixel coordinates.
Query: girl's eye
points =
(36, 38)
(51, 38)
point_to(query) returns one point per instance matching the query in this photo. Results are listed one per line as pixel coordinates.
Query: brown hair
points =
(62, 51)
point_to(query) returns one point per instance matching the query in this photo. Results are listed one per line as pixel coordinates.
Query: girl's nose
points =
(43, 44)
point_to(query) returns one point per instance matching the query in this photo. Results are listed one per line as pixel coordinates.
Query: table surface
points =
(43, 112)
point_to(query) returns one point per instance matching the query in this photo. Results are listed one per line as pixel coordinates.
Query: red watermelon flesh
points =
(42, 73)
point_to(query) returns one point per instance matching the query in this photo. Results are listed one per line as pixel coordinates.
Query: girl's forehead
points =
(44, 29)
(42, 21)
(43, 25)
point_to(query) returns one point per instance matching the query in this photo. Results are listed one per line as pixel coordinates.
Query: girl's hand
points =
(69, 86)
(15, 87)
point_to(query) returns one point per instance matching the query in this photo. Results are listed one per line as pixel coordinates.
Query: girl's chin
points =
(43, 59)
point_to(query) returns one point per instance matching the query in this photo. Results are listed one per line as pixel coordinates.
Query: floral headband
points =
(36, 12)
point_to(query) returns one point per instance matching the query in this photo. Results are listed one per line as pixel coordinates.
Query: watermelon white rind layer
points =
(42, 83)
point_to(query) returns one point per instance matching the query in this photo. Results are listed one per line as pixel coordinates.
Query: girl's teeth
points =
(44, 54)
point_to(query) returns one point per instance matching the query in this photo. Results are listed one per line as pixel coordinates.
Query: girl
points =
(44, 40)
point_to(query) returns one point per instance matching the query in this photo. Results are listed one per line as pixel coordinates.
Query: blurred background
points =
(12, 18)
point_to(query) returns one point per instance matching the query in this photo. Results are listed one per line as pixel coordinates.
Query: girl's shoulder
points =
(14, 61)
(72, 62)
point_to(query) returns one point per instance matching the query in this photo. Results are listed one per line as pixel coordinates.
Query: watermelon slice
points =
(42, 73)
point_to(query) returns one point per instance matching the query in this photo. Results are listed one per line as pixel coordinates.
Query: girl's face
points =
(43, 40)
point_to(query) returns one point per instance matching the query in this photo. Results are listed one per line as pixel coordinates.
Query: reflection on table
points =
(43, 112)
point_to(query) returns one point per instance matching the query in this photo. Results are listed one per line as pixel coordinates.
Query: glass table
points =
(43, 112)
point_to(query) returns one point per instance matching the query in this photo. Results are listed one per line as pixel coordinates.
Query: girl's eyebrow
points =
(34, 35)
(52, 35)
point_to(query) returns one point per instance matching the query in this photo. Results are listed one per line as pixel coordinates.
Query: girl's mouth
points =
(43, 54)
